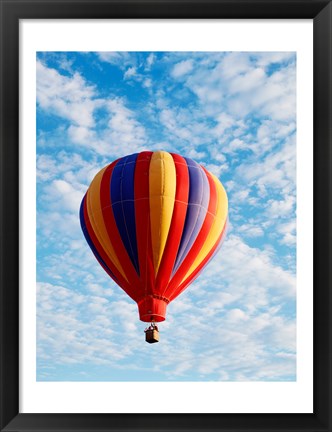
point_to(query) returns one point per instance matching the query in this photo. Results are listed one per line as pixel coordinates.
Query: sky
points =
(232, 112)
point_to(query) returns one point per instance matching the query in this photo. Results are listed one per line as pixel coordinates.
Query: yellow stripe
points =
(162, 187)
(97, 221)
(216, 228)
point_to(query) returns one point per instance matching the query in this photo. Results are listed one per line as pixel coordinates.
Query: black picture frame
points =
(14, 10)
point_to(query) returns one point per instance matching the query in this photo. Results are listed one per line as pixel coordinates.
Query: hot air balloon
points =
(153, 221)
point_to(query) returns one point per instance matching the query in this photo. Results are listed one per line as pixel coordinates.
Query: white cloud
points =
(288, 233)
(281, 208)
(182, 68)
(241, 85)
(194, 154)
(225, 121)
(150, 60)
(248, 81)
(64, 196)
(208, 95)
(235, 145)
(69, 166)
(120, 59)
(78, 328)
(179, 125)
(216, 155)
(250, 274)
(276, 171)
(58, 227)
(147, 83)
(232, 65)
(72, 99)
(277, 97)
(81, 134)
(130, 72)
(265, 59)
(125, 132)
(217, 170)
(68, 97)
(251, 230)
(235, 315)
(46, 167)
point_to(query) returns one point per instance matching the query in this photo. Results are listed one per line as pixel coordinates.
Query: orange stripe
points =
(97, 220)
(198, 269)
(199, 242)
(113, 233)
(218, 224)
(109, 266)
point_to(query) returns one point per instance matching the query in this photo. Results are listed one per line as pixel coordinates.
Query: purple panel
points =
(198, 202)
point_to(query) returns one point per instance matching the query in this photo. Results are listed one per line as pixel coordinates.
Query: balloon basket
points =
(151, 336)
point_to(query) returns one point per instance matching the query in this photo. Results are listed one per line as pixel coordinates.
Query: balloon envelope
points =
(153, 220)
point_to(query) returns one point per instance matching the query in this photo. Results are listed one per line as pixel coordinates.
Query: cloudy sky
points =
(235, 114)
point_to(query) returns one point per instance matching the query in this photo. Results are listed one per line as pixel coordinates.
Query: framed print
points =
(181, 152)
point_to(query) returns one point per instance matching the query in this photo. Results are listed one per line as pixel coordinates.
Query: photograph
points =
(166, 216)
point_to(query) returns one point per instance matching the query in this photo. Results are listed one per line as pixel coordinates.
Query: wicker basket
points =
(152, 336)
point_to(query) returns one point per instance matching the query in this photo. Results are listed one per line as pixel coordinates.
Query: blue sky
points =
(233, 112)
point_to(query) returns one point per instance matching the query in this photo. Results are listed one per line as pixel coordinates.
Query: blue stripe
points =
(198, 201)
(89, 241)
(122, 199)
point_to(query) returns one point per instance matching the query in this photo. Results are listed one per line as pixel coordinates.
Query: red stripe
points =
(113, 233)
(199, 242)
(143, 226)
(110, 266)
(198, 269)
(177, 224)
